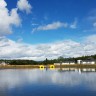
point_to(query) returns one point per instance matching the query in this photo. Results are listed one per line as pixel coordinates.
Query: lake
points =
(35, 82)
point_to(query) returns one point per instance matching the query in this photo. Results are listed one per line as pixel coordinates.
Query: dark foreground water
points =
(24, 82)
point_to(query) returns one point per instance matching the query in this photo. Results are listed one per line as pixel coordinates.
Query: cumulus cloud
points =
(8, 19)
(24, 5)
(66, 48)
(91, 38)
(51, 26)
(11, 18)
(56, 25)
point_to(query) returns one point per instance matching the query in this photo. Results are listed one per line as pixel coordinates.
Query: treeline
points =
(62, 59)
(46, 61)
(19, 62)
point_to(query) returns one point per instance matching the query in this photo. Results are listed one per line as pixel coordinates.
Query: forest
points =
(46, 61)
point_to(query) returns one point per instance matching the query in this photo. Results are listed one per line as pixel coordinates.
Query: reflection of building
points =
(82, 70)
(88, 70)
(87, 61)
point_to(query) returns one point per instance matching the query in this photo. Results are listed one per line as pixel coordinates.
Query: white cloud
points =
(7, 19)
(24, 5)
(91, 20)
(34, 24)
(94, 24)
(74, 24)
(10, 18)
(91, 38)
(2, 4)
(67, 48)
(54, 25)
(92, 16)
(20, 39)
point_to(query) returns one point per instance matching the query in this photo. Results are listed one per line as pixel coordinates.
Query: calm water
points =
(35, 82)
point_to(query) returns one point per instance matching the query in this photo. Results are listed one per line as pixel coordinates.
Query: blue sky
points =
(48, 11)
(45, 22)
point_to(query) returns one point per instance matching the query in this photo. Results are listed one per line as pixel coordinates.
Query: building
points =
(56, 63)
(79, 61)
(66, 63)
(3, 63)
(87, 61)
(72, 62)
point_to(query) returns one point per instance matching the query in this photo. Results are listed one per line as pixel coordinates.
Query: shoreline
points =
(45, 66)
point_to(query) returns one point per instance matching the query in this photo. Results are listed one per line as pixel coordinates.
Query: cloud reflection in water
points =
(14, 78)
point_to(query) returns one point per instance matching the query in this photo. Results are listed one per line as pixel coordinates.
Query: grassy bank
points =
(19, 66)
(48, 66)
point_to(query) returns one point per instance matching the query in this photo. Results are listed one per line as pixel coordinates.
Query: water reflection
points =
(70, 77)
(80, 70)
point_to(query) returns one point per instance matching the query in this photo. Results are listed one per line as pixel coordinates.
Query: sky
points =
(40, 29)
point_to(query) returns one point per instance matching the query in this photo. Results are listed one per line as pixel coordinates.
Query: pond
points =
(35, 82)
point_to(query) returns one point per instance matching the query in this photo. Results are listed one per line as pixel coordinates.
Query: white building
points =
(68, 63)
(56, 63)
(3, 63)
(79, 61)
(65, 63)
(87, 61)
